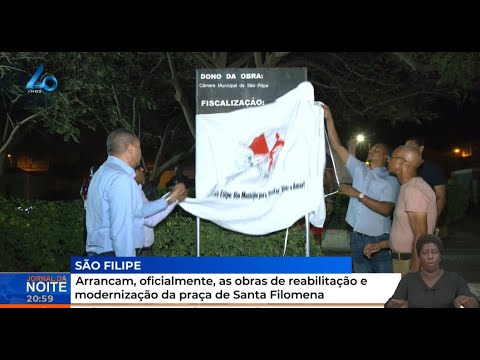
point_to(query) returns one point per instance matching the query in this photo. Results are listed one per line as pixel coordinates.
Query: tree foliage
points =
(99, 91)
(153, 94)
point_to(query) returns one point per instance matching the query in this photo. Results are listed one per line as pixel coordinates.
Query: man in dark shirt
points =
(434, 175)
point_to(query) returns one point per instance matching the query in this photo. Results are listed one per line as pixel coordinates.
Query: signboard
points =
(224, 90)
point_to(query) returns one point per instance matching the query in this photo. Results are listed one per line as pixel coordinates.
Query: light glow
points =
(360, 138)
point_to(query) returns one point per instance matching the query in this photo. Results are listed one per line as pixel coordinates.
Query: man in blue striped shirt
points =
(373, 194)
(115, 210)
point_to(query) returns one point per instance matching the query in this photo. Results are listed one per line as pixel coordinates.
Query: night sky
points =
(455, 125)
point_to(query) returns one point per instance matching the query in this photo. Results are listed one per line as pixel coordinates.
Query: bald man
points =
(415, 211)
(434, 175)
(116, 212)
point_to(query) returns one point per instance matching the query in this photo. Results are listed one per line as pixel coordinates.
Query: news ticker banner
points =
(200, 282)
(35, 290)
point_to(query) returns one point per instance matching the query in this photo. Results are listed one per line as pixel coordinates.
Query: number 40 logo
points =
(33, 84)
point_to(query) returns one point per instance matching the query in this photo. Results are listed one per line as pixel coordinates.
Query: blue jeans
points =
(380, 262)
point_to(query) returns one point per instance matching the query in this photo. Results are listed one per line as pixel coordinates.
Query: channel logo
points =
(46, 83)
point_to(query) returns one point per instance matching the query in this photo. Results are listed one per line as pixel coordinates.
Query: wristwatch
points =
(361, 195)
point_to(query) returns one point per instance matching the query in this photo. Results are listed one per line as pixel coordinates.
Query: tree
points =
(96, 90)
(13, 78)
(152, 93)
(377, 88)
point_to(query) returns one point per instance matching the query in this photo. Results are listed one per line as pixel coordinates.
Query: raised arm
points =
(341, 151)
(352, 146)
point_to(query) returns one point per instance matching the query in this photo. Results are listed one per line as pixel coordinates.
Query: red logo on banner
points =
(265, 150)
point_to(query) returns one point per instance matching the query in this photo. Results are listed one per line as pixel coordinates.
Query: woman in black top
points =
(432, 287)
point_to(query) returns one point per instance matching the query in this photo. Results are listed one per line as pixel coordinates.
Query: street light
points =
(10, 160)
(361, 139)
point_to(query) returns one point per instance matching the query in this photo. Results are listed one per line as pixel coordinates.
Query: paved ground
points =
(462, 249)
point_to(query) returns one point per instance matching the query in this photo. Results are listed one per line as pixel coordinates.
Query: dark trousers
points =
(380, 262)
(146, 251)
(108, 253)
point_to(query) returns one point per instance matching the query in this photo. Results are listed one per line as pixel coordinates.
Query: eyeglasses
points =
(138, 167)
(396, 157)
